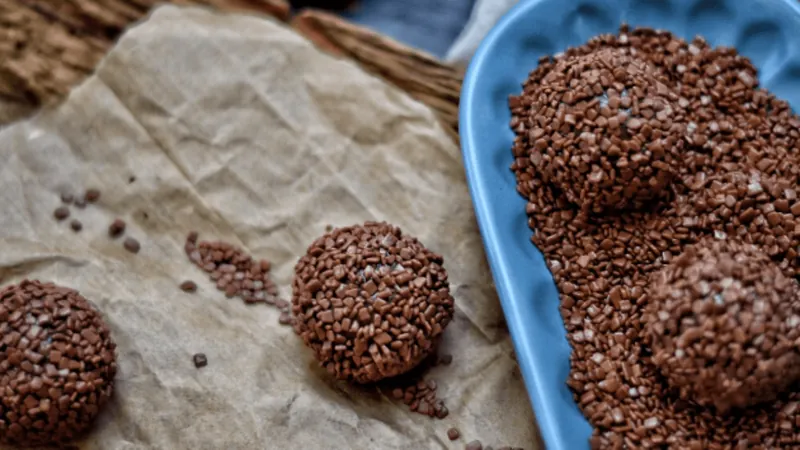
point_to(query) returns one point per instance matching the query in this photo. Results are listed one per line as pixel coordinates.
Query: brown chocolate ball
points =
(57, 364)
(370, 301)
(722, 325)
(604, 129)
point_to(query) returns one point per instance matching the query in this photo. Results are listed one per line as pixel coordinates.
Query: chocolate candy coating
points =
(370, 301)
(722, 324)
(57, 364)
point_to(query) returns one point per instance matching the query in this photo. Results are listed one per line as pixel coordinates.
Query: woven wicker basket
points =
(47, 46)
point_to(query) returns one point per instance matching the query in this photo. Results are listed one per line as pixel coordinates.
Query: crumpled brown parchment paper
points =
(238, 128)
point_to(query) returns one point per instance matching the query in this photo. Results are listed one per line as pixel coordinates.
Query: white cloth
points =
(484, 15)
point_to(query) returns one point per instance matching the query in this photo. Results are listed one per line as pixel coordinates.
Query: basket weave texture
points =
(47, 47)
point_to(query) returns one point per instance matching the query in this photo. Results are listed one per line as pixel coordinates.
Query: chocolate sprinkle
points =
(57, 364)
(370, 302)
(116, 228)
(453, 434)
(131, 245)
(189, 286)
(76, 225)
(474, 445)
(61, 213)
(92, 195)
(200, 360)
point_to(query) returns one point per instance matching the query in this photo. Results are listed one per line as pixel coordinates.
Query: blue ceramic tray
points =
(767, 31)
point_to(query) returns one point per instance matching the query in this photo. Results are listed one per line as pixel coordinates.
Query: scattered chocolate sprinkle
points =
(67, 198)
(200, 360)
(57, 364)
(92, 195)
(116, 228)
(131, 179)
(189, 286)
(61, 213)
(234, 271)
(76, 225)
(732, 175)
(370, 301)
(419, 395)
(453, 434)
(131, 245)
(474, 445)
(446, 360)
(285, 318)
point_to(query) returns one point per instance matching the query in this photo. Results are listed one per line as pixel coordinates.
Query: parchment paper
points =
(238, 128)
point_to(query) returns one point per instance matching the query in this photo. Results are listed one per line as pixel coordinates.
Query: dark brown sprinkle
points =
(76, 225)
(234, 271)
(189, 286)
(61, 213)
(474, 445)
(200, 360)
(57, 364)
(420, 396)
(67, 198)
(131, 179)
(733, 174)
(453, 434)
(285, 318)
(370, 302)
(131, 245)
(446, 360)
(92, 195)
(116, 228)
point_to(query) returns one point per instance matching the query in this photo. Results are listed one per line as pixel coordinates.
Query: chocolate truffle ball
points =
(722, 325)
(370, 301)
(57, 364)
(604, 129)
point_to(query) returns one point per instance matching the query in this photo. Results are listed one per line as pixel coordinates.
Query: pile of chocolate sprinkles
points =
(722, 325)
(421, 398)
(370, 301)
(57, 364)
(235, 272)
(736, 178)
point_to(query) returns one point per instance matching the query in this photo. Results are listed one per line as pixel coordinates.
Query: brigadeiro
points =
(57, 364)
(605, 128)
(370, 301)
(722, 324)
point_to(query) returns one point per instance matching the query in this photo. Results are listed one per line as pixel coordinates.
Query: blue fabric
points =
(430, 25)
